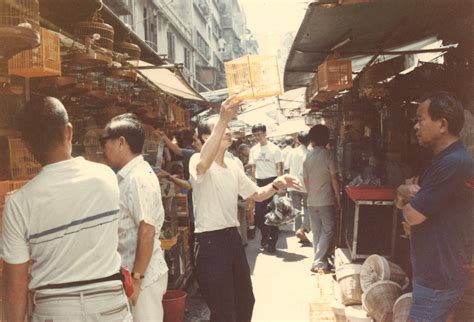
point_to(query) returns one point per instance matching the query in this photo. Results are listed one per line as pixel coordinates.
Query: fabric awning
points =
(168, 81)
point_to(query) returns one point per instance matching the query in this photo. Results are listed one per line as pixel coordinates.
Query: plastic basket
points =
(253, 77)
(41, 61)
(335, 75)
(22, 162)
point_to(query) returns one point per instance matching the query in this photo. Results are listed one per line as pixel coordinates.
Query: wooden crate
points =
(253, 77)
(41, 61)
(335, 75)
(22, 162)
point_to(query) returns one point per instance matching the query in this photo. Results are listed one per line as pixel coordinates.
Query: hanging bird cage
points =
(19, 26)
(96, 31)
(42, 61)
(131, 50)
(335, 75)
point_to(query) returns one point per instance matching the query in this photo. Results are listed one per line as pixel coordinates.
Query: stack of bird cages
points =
(23, 164)
(19, 26)
(42, 61)
(97, 30)
(334, 75)
(253, 77)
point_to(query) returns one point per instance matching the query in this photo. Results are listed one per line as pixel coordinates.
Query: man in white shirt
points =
(288, 147)
(267, 163)
(222, 271)
(294, 164)
(141, 216)
(64, 221)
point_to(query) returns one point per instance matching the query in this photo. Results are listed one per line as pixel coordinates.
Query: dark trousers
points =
(269, 233)
(223, 275)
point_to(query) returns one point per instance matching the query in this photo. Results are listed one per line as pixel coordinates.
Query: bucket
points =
(348, 277)
(339, 311)
(379, 299)
(356, 313)
(401, 308)
(378, 268)
(173, 306)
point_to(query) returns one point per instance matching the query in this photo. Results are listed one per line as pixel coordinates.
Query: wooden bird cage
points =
(253, 77)
(23, 164)
(19, 26)
(42, 61)
(97, 30)
(131, 50)
(335, 75)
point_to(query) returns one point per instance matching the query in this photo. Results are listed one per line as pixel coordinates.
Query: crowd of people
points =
(78, 222)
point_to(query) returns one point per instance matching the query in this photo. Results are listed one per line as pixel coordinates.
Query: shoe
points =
(263, 243)
(302, 237)
(320, 270)
(306, 244)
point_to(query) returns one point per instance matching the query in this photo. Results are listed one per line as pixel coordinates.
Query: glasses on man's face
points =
(103, 140)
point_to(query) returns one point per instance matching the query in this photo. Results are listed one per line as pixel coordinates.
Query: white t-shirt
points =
(65, 220)
(215, 194)
(140, 200)
(294, 162)
(265, 159)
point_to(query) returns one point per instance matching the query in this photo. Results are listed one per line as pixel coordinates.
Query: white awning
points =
(170, 82)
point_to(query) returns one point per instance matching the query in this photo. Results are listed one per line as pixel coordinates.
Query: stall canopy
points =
(357, 31)
(290, 126)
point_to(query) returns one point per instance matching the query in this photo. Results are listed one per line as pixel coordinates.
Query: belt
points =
(79, 294)
(211, 232)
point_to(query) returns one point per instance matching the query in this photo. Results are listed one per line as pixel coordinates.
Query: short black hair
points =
(303, 138)
(42, 123)
(259, 127)
(446, 105)
(203, 128)
(185, 138)
(289, 141)
(243, 146)
(319, 135)
(131, 128)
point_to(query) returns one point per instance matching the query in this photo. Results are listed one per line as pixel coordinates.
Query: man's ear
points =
(69, 132)
(444, 125)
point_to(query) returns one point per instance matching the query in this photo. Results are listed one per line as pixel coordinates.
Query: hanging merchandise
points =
(19, 26)
(334, 74)
(96, 31)
(281, 212)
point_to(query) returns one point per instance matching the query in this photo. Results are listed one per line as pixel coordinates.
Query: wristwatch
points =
(137, 276)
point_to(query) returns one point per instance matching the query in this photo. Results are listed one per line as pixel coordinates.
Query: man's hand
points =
(137, 283)
(287, 181)
(405, 194)
(163, 174)
(229, 108)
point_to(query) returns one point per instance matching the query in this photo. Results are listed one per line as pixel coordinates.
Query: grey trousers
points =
(242, 206)
(298, 200)
(323, 226)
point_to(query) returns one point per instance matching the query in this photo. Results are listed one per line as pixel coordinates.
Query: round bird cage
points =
(132, 50)
(96, 30)
(19, 26)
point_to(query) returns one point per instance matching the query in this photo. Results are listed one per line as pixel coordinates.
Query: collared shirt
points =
(140, 200)
(65, 220)
(441, 246)
(318, 166)
(294, 162)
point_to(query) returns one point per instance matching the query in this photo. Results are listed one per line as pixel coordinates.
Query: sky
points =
(270, 20)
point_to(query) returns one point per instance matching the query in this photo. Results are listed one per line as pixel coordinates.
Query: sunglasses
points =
(104, 139)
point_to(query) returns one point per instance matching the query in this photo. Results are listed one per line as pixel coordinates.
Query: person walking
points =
(322, 185)
(221, 269)
(439, 210)
(141, 216)
(64, 221)
(294, 164)
(267, 163)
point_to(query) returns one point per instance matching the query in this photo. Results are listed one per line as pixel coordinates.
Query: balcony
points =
(119, 7)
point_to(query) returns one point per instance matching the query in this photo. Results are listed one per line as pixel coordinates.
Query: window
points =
(187, 58)
(171, 45)
(202, 45)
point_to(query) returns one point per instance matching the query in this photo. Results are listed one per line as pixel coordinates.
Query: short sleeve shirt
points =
(64, 220)
(318, 166)
(140, 200)
(215, 194)
(265, 158)
(441, 246)
(294, 162)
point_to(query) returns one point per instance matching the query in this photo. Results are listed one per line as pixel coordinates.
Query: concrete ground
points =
(284, 287)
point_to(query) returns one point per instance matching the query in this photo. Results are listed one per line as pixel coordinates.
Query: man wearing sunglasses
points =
(141, 215)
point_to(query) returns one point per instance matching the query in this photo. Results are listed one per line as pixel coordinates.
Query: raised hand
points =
(287, 181)
(229, 108)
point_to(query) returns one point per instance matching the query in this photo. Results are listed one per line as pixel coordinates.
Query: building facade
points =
(199, 34)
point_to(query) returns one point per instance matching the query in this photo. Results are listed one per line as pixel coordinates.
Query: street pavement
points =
(285, 289)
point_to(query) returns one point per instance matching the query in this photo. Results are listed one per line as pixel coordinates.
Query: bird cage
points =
(19, 26)
(131, 50)
(42, 61)
(253, 77)
(96, 30)
(335, 75)
(23, 164)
